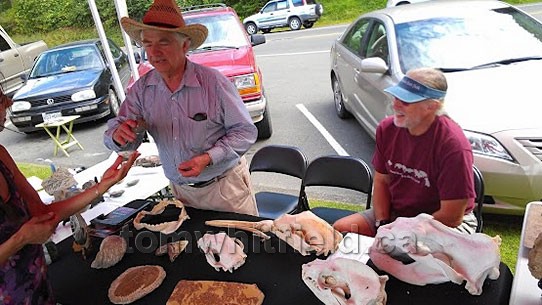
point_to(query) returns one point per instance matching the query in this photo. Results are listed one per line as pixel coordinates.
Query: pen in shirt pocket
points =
(200, 116)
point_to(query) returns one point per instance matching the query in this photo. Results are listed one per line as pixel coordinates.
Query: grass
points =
(29, 170)
(507, 227)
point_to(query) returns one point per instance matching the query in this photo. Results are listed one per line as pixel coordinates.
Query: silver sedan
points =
(491, 53)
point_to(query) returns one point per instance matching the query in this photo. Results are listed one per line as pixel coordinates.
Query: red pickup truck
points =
(228, 48)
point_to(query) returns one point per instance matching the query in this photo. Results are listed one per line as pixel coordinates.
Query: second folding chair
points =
(340, 172)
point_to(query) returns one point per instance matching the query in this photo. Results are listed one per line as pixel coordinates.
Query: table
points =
(272, 265)
(60, 123)
(525, 289)
(151, 181)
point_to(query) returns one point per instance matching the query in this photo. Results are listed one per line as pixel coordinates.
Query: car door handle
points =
(16, 55)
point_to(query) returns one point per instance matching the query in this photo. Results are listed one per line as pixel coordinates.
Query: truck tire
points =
(265, 128)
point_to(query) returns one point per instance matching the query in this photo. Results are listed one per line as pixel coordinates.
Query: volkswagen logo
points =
(50, 101)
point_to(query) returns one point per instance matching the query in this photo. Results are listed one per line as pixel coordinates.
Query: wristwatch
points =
(382, 222)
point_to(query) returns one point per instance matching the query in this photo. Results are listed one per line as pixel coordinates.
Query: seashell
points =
(112, 250)
(173, 249)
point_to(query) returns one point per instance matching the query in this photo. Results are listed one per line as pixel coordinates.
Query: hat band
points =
(161, 25)
(420, 89)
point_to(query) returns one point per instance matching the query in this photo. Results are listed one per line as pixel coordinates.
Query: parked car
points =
(229, 49)
(16, 61)
(491, 54)
(391, 3)
(284, 13)
(70, 79)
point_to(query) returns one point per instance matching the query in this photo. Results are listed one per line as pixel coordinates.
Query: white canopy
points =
(122, 10)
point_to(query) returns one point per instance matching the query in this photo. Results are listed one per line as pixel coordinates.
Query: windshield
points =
(66, 60)
(224, 31)
(475, 39)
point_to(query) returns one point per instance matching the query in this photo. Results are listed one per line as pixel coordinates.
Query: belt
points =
(204, 183)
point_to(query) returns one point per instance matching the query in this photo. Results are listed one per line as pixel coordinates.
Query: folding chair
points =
(479, 200)
(341, 172)
(281, 159)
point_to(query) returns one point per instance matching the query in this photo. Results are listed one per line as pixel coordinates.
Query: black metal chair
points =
(341, 172)
(281, 159)
(479, 200)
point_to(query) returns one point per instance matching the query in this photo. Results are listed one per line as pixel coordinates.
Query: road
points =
(295, 66)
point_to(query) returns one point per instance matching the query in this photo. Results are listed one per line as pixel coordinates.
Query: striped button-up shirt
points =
(170, 117)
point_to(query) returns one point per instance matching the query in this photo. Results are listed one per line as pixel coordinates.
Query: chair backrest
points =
(283, 159)
(338, 171)
(479, 200)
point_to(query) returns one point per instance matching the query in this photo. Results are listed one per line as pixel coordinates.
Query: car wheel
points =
(308, 25)
(265, 31)
(251, 28)
(318, 9)
(294, 23)
(114, 103)
(265, 128)
(339, 101)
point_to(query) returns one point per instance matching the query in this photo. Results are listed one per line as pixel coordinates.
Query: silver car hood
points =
(496, 99)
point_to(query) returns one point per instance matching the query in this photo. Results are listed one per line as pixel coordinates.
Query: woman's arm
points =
(67, 207)
(35, 231)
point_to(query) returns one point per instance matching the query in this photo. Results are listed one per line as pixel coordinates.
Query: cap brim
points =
(404, 95)
(196, 32)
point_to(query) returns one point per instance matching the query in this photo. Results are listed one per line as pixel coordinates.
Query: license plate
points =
(51, 116)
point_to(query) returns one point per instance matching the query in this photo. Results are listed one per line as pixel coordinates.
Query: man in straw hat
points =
(198, 120)
(423, 161)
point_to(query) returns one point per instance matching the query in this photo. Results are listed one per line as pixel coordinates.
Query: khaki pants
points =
(231, 193)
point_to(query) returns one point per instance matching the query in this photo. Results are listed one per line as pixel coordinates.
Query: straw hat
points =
(165, 15)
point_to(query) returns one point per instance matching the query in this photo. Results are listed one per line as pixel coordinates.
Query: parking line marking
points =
(329, 138)
(289, 54)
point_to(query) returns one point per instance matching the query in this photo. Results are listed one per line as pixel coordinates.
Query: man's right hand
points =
(125, 133)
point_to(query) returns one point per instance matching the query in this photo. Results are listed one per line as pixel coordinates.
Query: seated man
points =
(423, 161)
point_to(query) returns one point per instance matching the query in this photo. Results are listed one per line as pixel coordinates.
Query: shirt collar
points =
(189, 78)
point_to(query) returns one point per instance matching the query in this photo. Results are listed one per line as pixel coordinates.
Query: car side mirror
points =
(257, 39)
(24, 77)
(374, 65)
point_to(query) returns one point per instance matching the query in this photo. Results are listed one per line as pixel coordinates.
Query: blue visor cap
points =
(411, 91)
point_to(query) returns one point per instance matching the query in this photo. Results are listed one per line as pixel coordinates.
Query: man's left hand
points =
(194, 166)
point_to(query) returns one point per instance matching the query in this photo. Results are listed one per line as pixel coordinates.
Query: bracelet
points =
(96, 190)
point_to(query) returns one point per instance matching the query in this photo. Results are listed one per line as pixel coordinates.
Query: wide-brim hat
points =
(164, 15)
(411, 91)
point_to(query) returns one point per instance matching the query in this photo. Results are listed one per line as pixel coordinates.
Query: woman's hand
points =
(118, 170)
(38, 229)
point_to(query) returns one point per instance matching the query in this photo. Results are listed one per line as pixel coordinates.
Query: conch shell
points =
(112, 250)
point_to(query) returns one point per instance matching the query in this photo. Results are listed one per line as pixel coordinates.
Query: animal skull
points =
(305, 232)
(167, 227)
(229, 251)
(344, 281)
(421, 250)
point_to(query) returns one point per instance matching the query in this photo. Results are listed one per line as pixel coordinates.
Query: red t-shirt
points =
(425, 169)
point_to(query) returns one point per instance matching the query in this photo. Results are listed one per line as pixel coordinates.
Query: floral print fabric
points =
(23, 278)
